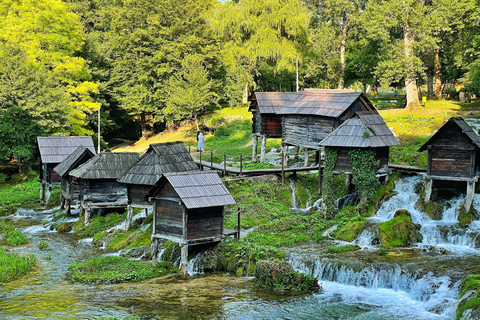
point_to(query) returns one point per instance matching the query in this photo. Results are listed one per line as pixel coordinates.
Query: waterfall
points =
(423, 295)
(294, 198)
(195, 265)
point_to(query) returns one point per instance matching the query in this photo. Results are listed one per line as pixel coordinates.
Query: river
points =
(414, 283)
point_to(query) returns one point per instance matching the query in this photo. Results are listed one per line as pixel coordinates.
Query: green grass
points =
(346, 248)
(12, 236)
(16, 193)
(13, 265)
(43, 245)
(113, 269)
(406, 153)
(121, 239)
(142, 239)
(97, 224)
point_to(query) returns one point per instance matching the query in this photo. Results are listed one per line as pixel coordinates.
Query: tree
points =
(189, 91)
(252, 31)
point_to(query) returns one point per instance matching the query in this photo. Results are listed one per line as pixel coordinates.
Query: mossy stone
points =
(350, 231)
(399, 232)
(64, 227)
(405, 212)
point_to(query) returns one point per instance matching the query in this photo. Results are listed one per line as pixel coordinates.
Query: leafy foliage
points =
(328, 191)
(281, 275)
(363, 173)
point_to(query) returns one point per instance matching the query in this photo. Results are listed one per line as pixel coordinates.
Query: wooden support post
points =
(429, 159)
(70, 188)
(42, 193)
(62, 201)
(254, 148)
(306, 155)
(295, 152)
(428, 189)
(49, 194)
(239, 226)
(128, 221)
(320, 177)
(241, 164)
(224, 164)
(283, 165)
(189, 150)
(348, 181)
(211, 159)
(154, 252)
(201, 167)
(470, 195)
(87, 216)
(184, 260)
(263, 149)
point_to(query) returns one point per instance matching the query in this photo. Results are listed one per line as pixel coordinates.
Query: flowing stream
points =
(413, 283)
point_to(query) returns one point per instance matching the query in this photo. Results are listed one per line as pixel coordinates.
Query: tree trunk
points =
(245, 94)
(24, 166)
(343, 43)
(438, 80)
(143, 123)
(196, 120)
(430, 91)
(413, 102)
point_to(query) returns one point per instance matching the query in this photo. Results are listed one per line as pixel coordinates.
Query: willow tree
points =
(258, 30)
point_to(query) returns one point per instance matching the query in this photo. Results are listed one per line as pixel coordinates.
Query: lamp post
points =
(98, 134)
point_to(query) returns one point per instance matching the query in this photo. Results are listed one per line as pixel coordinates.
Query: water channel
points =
(414, 283)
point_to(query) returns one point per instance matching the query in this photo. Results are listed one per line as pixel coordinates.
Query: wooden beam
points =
(254, 148)
(263, 149)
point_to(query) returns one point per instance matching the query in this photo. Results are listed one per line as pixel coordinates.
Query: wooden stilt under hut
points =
(365, 130)
(97, 181)
(453, 155)
(52, 151)
(159, 159)
(266, 124)
(189, 209)
(69, 191)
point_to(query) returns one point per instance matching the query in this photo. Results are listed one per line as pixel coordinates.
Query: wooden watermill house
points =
(453, 155)
(365, 130)
(266, 124)
(51, 152)
(97, 181)
(69, 191)
(189, 209)
(159, 159)
(311, 118)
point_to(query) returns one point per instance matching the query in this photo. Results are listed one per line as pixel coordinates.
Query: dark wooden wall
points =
(48, 175)
(66, 191)
(306, 131)
(168, 213)
(204, 222)
(343, 163)
(103, 191)
(272, 125)
(136, 193)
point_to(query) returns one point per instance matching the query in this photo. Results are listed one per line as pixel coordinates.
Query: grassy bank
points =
(16, 193)
(13, 265)
(113, 269)
(11, 236)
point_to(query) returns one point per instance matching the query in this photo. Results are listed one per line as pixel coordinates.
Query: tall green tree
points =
(251, 31)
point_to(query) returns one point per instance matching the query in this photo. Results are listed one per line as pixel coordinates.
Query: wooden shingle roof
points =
(271, 102)
(326, 102)
(160, 158)
(72, 160)
(56, 149)
(200, 189)
(364, 130)
(462, 125)
(106, 165)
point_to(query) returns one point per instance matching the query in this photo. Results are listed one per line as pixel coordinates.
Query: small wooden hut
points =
(97, 181)
(266, 124)
(52, 151)
(159, 159)
(189, 209)
(311, 118)
(453, 155)
(69, 191)
(366, 129)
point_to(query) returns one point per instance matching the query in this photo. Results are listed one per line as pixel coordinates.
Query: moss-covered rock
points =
(350, 231)
(470, 297)
(281, 275)
(466, 217)
(399, 232)
(348, 247)
(65, 227)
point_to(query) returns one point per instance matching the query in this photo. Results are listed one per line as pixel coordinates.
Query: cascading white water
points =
(294, 198)
(421, 296)
(364, 240)
(445, 233)
(195, 265)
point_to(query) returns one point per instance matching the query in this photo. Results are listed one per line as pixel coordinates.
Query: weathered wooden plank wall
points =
(204, 222)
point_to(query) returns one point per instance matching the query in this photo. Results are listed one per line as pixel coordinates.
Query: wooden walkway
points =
(259, 172)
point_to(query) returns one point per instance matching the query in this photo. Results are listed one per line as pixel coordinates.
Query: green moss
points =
(141, 240)
(399, 232)
(471, 282)
(464, 217)
(432, 209)
(281, 275)
(346, 248)
(99, 238)
(121, 240)
(172, 251)
(97, 224)
(383, 193)
(350, 231)
(64, 227)
(113, 269)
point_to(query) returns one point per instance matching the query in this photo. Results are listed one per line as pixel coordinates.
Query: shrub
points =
(280, 275)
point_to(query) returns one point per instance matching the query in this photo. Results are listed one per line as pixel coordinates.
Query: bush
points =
(280, 275)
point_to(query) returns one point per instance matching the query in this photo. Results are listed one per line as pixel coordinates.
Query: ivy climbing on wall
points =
(363, 173)
(328, 191)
